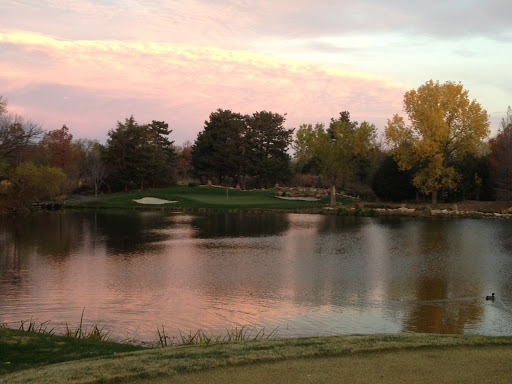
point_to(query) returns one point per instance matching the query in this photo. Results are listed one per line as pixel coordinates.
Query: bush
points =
(342, 211)
(367, 212)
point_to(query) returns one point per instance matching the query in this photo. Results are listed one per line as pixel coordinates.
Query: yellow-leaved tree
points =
(443, 125)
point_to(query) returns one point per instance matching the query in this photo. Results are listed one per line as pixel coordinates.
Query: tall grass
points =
(93, 332)
(32, 326)
(201, 337)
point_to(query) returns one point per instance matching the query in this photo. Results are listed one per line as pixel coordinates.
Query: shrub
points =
(342, 211)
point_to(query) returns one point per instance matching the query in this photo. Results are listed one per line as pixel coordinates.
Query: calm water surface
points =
(307, 275)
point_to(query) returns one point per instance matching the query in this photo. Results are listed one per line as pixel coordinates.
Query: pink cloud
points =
(95, 83)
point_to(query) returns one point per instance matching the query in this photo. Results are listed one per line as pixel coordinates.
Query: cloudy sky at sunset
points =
(90, 63)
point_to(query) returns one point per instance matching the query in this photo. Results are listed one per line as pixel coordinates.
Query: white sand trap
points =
(298, 198)
(153, 200)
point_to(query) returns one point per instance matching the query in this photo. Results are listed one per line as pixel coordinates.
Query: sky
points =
(90, 63)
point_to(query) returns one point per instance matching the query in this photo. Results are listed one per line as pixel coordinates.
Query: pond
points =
(304, 275)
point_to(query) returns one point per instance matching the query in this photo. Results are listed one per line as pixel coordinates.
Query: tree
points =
(92, 168)
(139, 156)
(162, 154)
(3, 105)
(221, 151)
(500, 160)
(184, 167)
(268, 142)
(474, 181)
(335, 150)
(233, 146)
(17, 137)
(390, 183)
(27, 183)
(61, 152)
(444, 125)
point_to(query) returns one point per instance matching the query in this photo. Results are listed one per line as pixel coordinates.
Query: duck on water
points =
(490, 297)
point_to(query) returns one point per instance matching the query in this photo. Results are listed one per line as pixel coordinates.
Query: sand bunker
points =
(153, 200)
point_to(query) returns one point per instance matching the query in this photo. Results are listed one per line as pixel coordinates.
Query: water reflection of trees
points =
(337, 224)
(443, 279)
(54, 235)
(132, 232)
(240, 225)
(57, 235)
(435, 312)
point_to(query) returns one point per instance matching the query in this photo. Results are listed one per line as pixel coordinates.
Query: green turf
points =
(21, 350)
(204, 197)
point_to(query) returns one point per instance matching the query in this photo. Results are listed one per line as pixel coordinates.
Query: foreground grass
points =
(21, 350)
(203, 197)
(324, 359)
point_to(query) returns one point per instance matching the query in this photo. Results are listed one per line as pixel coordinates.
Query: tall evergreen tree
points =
(139, 156)
(220, 150)
(268, 142)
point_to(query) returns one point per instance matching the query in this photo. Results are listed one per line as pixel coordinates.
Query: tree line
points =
(440, 150)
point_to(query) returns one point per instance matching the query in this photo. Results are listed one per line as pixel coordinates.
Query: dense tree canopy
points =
(29, 182)
(60, 151)
(336, 149)
(500, 160)
(233, 146)
(220, 150)
(268, 142)
(139, 156)
(392, 184)
(184, 167)
(444, 125)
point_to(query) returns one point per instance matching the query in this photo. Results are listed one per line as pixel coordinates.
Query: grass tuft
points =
(201, 337)
(95, 332)
(32, 326)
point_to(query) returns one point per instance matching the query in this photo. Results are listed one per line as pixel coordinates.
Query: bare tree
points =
(92, 167)
(17, 136)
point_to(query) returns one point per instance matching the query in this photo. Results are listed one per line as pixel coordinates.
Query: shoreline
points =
(284, 200)
(364, 210)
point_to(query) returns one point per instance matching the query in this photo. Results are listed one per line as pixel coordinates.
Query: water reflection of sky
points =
(305, 274)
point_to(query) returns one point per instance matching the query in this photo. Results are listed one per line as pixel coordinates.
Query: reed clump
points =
(32, 326)
(200, 337)
(92, 332)
(95, 332)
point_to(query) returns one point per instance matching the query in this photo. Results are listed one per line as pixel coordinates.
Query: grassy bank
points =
(324, 359)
